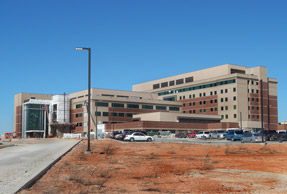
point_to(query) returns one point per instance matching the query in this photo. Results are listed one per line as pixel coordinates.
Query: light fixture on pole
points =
(89, 97)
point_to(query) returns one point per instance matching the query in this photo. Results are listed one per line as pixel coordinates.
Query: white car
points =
(137, 136)
(203, 135)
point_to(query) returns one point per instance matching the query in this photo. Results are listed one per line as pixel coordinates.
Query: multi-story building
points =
(239, 94)
(214, 98)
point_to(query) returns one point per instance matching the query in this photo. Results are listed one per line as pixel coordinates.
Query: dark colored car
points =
(268, 134)
(282, 137)
(181, 135)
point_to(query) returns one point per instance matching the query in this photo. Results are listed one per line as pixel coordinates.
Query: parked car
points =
(234, 135)
(181, 135)
(138, 136)
(282, 137)
(252, 137)
(191, 134)
(203, 135)
(268, 134)
(217, 134)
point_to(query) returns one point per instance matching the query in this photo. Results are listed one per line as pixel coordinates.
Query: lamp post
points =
(89, 97)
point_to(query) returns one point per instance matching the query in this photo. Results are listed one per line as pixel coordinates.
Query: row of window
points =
(197, 87)
(253, 107)
(222, 108)
(200, 102)
(201, 110)
(226, 116)
(136, 106)
(204, 94)
(252, 82)
(113, 114)
(254, 99)
(173, 82)
(253, 91)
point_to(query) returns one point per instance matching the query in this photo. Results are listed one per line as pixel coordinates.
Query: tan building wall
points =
(123, 114)
(232, 100)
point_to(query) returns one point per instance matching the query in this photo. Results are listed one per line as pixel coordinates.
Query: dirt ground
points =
(116, 167)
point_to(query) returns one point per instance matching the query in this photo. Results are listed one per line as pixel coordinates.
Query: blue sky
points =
(133, 41)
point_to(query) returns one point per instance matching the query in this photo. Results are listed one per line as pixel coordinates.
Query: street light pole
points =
(89, 98)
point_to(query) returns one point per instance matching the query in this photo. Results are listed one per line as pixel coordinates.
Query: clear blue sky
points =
(133, 41)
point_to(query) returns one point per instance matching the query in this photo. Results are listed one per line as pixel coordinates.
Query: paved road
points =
(21, 163)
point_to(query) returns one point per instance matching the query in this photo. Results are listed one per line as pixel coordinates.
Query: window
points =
(234, 107)
(215, 109)
(253, 108)
(234, 98)
(105, 114)
(190, 104)
(215, 92)
(194, 111)
(257, 108)
(204, 110)
(121, 114)
(189, 96)
(252, 90)
(226, 99)
(211, 101)
(79, 105)
(211, 93)
(193, 103)
(172, 108)
(179, 81)
(132, 106)
(221, 91)
(203, 93)
(222, 99)
(235, 116)
(183, 104)
(104, 104)
(200, 95)
(79, 115)
(183, 97)
(200, 102)
(234, 89)
(226, 107)
(226, 116)
(222, 108)
(253, 116)
(155, 86)
(190, 112)
(211, 109)
(180, 97)
(118, 105)
(215, 101)
(114, 114)
(171, 83)
(252, 99)
(200, 110)
(204, 102)
(226, 90)
(98, 114)
(252, 82)
(150, 107)
(257, 91)
(129, 115)
(164, 84)
(188, 79)
(193, 95)
(161, 107)
(222, 116)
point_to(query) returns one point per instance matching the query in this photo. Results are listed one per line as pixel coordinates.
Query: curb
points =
(5, 146)
(31, 182)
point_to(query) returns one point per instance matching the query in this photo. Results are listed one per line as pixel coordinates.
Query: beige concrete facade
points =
(114, 106)
(235, 89)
